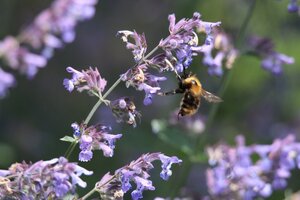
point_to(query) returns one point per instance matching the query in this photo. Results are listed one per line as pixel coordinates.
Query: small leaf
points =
(68, 139)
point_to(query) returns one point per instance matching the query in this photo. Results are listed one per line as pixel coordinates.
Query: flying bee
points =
(191, 88)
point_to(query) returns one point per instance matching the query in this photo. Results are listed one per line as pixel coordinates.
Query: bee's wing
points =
(211, 97)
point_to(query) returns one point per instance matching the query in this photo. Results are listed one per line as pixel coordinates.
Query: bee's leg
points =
(184, 72)
(176, 91)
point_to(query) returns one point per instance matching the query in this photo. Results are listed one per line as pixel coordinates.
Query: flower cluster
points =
(143, 81)
(183, 43)
(53, 27)
(225, 51)
(114, 186)
(125, 111)
(94, 138)
(52, 179)
(139, 47)
(271, 60)
(89, 80)
(178, 51)
(234, 175)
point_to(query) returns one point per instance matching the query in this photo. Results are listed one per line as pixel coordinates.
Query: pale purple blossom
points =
(271, 60)
(93, 138)
(88, 80)
(139, 45)
(76, 129)
(56, 24)
(30, 50)
(20, 58)
(184, 41)
(52, 179)
(225, 52)
(7, 80)
(233, 173)
(136, 172)
(141, 80)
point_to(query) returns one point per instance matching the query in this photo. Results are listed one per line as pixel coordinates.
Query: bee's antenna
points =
(178, 76)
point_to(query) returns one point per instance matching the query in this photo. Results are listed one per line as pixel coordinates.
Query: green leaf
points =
(172, 136)
(68, 139)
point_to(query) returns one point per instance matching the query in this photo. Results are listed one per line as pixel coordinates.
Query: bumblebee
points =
(191, 88)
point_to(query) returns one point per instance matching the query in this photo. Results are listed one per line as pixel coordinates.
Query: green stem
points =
(88, 194)
(92, 112)
(202, 139)
(72, 147)
(100, 101)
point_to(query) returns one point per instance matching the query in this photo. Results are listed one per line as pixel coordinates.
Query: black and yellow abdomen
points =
(189, 104)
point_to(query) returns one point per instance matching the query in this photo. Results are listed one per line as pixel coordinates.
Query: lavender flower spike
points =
(54, 26)
(139, 47)
(89, 80)
(53, 179)
(94, 138)
(137, 172)
(140, 79)
(183, 39)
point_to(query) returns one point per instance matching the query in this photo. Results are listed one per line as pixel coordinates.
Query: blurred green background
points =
(38, 112)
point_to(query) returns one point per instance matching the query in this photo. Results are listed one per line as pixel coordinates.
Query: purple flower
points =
(85, 146)
(293, 6)
(96, 138)
(274, 62)
(7, 80)
(139, 47)
(183, 39)
(31, 49)
(137, 172)
(125, 111)
(52, 179)
(89, 80)
(235, 175)
(221, 42)
(271, 60)
(166, 165)
(20, 58)
(76, 129)
(141, 185)
(143, 81)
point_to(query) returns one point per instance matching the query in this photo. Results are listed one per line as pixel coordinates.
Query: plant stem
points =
(100, 101)
(88, 194)
(202, 139)
(72, 147)
(92, 112)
